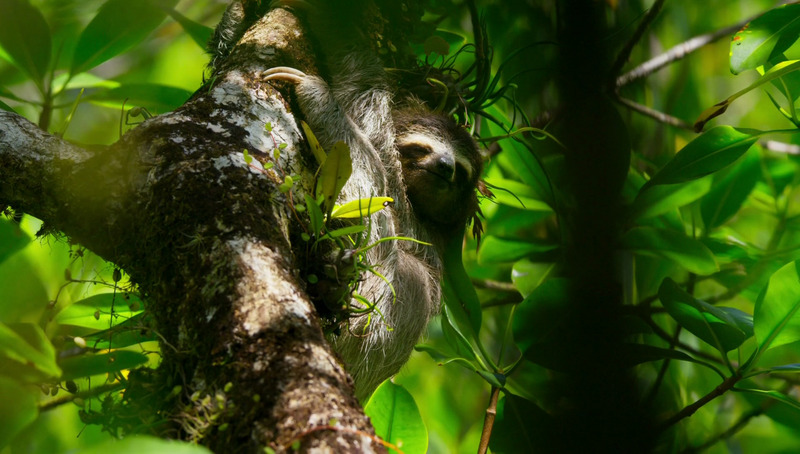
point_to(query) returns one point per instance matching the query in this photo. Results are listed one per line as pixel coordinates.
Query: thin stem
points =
(689, 410)
(488, 422)
(625, 53)
(650, 112)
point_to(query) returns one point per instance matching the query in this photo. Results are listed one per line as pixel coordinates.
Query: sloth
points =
(399, 148)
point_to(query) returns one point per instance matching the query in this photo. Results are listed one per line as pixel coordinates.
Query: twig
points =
(676, 53)
(625, 53)
(495, 285)
(689, 410)
(51, 404)
(491, 412)
(660, 116)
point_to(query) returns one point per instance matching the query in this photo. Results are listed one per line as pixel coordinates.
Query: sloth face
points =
(441, 166)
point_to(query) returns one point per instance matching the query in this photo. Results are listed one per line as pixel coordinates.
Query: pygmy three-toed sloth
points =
(399, 148)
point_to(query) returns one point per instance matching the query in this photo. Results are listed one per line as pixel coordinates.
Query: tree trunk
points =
(208, 240)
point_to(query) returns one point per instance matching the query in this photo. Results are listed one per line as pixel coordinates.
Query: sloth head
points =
(441, 167)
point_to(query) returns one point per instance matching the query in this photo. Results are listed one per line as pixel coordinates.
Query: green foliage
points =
(396, 419)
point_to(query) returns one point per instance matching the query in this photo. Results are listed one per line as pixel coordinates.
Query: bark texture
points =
(208, 240)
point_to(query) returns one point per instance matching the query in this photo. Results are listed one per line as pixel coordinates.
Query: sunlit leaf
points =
(516, 194)
(765, 37)
(133, 331)
(713, 150)
(316, 148)
(729, 192)
(777, 313)
(25, 38)
(334, 174)
(722, 328)
(200, 33)
(12, 239)
(456, 340)
(26, 353)
(94, 311)
(498, 250)
(18, 404)
(396, 418)
(361, 207)
(118, 26)
(90, 364)
(675, 246)
(657, 200)
(155, 97)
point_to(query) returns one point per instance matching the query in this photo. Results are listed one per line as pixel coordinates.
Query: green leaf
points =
(155, 97)
(334, 174)
(396, 418)
(780, 397)
(708, 153)
(132, 331)
(497, 250)
(313, 143)
(515, 194)
(729, 192)
(779, 70)
(26, 353)
(443, 358)
(520, 426)
(455, 339)
(528, 275)
(361, 208)
(765, 37)
(12, 239)
(689, 253)
(25, 38)
(89, 364)
(314, 214)
(657, 200)
(497, 380)
(94, 311)
(776, 320)
(459, 294)
(18, 409)
(722, 328)
(138, 444)
(118, 26)
(198, 32)
(541, 314)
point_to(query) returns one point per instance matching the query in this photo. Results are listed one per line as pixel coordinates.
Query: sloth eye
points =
(415, 151)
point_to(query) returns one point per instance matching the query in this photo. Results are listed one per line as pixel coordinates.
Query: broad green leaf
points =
(443, 358)
(6, 107)
(315, 215)
(138, 444)
(199, 32)
(349, 230)
(155, 97)
(528, 275)
(12, 239)
(779, 70)
(94, 311)
(118, 26)
(689, 253)
(313, 143)
(780, 397)
(132, 331)
(541, 314)
(498, 250)
(765, 37)
(18, 404)
(708, 153)
(83, 80)
(456, 340)
(497, 380)
(396, 418)
(460, 297)
(722, 328)
(25, 38)
(516, 194)
(334, 174)
(661, 199)
(729, 192)
(89, 364)
(26, 353)
(777, 313)
(361, 208)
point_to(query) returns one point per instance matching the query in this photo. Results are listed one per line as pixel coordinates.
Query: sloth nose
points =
(445, 167)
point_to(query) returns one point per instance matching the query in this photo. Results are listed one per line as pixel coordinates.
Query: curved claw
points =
(284, 73)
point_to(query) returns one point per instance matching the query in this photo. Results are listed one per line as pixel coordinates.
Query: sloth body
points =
(399, 148)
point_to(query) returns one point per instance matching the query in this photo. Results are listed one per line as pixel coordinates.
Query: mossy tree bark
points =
(208, 240)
